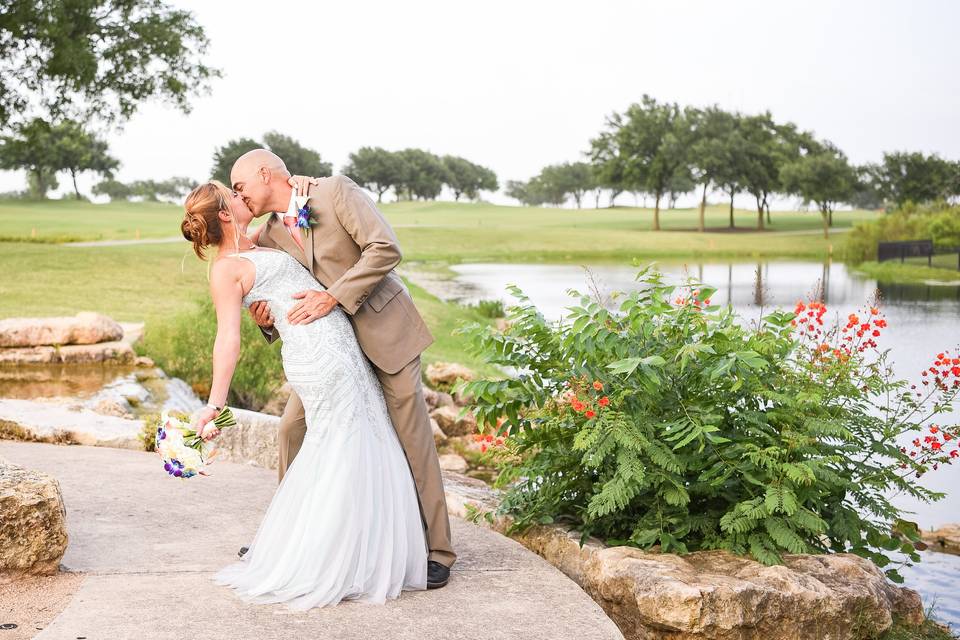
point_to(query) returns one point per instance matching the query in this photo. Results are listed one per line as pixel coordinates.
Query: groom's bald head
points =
(261, 178)
(253, 161)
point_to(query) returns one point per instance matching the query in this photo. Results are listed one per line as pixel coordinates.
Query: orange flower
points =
(604, 401)
(597, 385)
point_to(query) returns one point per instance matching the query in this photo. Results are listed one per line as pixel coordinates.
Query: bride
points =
(345, 521)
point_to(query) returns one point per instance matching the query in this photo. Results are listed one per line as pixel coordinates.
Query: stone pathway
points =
(147, 565)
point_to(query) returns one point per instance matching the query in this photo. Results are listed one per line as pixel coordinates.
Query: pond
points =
(923, 319)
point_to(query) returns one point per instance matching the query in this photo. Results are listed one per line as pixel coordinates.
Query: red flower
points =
(875, 333)
(954, 453)
(589, 414)
(934, 429)
(604, 401)
(955, 371)
(483, 448)
(578, 406)
(935, 445)
(489, 438)
(597, 385)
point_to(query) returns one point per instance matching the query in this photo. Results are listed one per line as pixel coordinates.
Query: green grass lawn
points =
(457, 232)
(55, 221)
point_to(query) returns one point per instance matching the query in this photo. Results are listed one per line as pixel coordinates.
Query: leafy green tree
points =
(914, 177)
(609, 165)
(113, 189)
(681, 183)
(867, 193)
(375, 169)
(520, 190)
(226, 155)
(79, 151)
(97, 58)
(710, 155)
(424, 174)
(175, 188)
(32, 150)
(467, 178)
(299, 159)
(760, 159)
(568, 179)
(825, 178)
(653, 141)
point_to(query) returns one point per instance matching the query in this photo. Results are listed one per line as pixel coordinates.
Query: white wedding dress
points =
(345, 521)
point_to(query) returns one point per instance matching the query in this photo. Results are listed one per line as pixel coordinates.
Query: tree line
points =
(412, 174)
(664, 150)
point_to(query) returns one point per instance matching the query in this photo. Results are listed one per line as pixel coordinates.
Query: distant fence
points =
(919, 250)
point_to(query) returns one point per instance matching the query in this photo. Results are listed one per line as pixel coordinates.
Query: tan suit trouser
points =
(403, 392)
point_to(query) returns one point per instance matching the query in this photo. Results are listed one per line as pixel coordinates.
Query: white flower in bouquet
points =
(183, 452)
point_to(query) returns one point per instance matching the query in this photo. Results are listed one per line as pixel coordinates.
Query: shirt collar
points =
(291, 208)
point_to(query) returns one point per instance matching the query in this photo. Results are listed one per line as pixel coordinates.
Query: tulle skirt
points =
(344, 524)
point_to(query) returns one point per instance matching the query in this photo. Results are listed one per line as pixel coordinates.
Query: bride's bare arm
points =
(226, 290)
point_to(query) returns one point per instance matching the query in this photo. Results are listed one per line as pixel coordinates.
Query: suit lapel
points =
(279, 234)
(308, 247)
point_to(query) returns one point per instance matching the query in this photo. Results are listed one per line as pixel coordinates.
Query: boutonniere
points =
(304, 214)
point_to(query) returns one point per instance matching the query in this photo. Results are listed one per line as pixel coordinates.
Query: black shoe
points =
(242, 551)
(437, 575)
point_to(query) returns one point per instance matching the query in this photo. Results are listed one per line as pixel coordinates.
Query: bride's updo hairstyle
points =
(201, 220)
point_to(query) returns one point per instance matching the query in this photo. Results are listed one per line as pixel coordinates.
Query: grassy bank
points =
(907, 273)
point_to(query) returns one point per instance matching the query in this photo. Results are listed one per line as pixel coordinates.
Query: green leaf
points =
(627, 365)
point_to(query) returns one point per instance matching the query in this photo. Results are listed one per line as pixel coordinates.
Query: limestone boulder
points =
(252, 441)
(33, 528)
(100, 353)
(452, 423)
(711, 595)
(447, 373)
(453, 462)
(946, 539)
(439, 437)
(58, 422)
(83, 329)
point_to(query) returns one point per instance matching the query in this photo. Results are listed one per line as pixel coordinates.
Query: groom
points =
(352, 251)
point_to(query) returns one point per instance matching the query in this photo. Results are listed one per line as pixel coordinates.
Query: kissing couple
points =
(360, 512)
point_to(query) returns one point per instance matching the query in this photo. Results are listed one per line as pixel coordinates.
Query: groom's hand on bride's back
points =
(260, 312)
(313, 305)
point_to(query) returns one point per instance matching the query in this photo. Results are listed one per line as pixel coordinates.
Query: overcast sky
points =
(517, 85)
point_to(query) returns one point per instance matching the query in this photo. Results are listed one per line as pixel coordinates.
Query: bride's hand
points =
(203, 425)
(302, 183)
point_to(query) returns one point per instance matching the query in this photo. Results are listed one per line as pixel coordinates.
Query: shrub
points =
(938, 222)
(183, 347)
(488, 308)
(670, 422)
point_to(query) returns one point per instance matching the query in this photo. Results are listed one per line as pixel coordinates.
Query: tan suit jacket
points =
(352, 251)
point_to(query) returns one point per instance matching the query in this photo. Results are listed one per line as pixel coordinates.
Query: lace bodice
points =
(322, 360)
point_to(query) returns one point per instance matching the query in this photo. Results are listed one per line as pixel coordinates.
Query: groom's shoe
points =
(242, 551)
(437, 575)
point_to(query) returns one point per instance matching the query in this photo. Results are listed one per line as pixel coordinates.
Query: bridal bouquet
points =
(183, 452)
